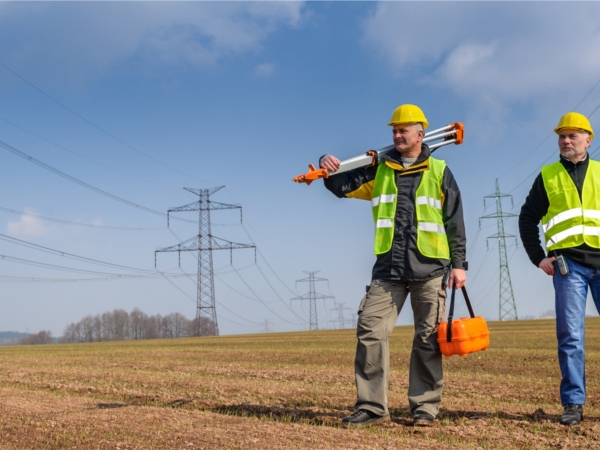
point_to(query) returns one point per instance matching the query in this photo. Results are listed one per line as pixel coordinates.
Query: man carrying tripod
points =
(419, 231)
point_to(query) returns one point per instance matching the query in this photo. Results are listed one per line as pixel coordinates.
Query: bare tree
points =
(87, 329)
(194, 326)
(108, 332)
(121, 325)
(43, 337)
(97, 327)
(152, 327)
(179, 324)
(137, 318)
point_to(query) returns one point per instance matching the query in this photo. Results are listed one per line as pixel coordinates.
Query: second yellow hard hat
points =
(408, 114)
(576, 121)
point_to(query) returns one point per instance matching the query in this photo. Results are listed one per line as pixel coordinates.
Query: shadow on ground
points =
(400, 416)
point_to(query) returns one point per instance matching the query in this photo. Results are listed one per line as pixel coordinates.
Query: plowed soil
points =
(284, 390)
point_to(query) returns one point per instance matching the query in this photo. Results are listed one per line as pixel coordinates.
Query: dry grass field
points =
(279, 391)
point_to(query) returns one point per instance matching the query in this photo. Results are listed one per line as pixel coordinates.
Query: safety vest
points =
(571, 221)
(431, 234)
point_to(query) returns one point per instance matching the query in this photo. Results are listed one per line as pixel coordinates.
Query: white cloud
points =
(89, 38)
(27, 226)
(510, 50)
(264, 70)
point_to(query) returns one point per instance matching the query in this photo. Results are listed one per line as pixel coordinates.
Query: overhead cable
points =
(30, 158)
(86, 157)
(97, 127)
(87, 225)
(69, 255)
(550, 134)
(192, 299)
(71, 269)
(536, 171)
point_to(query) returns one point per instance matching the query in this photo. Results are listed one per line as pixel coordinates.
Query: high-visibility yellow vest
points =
(431, 234)
(571, 221)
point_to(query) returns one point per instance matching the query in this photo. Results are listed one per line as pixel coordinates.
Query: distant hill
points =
(11, 337)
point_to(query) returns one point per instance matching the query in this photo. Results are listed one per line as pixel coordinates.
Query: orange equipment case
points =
(464, 335)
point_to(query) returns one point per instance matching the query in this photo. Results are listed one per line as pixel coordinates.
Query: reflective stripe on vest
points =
(383, 199)
(571, 221)
(431, 234)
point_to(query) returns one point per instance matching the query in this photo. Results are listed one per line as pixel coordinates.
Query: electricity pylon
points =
(312, 297)
(266, 323)
(341, 320)
(507, 308)
(204, 243)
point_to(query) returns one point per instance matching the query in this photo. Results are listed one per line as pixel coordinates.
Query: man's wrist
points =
(463, 265)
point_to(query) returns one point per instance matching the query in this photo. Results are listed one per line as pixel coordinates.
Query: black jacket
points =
(536, 206)
(404, 262)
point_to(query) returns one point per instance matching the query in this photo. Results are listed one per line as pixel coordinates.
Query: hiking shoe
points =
(361, 417)
(572, 415)
(423, 419)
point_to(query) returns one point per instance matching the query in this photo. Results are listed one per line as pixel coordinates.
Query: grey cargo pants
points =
(378, 313)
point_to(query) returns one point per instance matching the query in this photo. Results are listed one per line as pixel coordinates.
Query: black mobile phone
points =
(563, 268)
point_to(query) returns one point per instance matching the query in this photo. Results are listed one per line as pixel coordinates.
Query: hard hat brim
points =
(557, 130)
(425, 124)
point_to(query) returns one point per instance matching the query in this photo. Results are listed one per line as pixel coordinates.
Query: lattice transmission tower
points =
(204, 243)
(266, 324)
(341, 321)
(507, 308)
(312, 297)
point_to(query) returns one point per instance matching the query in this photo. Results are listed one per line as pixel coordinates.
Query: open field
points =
(285, 390)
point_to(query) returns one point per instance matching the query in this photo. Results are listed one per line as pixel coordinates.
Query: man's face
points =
(407, 137)
(573, 143)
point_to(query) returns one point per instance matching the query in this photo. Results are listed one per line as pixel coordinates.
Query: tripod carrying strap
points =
(451, 313)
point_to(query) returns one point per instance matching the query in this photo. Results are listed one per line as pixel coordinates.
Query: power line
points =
(19, 279)
(277, 294)
(98, 128)
(256, 297)
(69, 255)
(72, 269)
(87, 225)
(83, 156)
(192, 299)
(550, 134)
(80, 182)
(553, 151)
(265, 305)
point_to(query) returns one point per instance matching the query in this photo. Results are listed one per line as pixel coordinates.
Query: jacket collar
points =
(393, 159)
(394, 156)
(569, 165)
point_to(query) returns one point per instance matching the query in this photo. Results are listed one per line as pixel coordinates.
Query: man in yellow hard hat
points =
(419, 231)
(564, 197)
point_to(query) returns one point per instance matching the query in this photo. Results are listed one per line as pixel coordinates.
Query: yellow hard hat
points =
(576, 121)
(408, 114)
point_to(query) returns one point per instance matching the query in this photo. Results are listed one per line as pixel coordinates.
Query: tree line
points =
(120, 325)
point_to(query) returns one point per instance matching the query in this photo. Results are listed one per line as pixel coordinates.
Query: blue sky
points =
(245, 95)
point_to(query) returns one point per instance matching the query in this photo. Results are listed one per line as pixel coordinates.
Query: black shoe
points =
(423, 419)
(362, 417)
(572, 415)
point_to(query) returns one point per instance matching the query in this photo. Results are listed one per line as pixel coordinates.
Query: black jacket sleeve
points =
(454, 221)
(346, 182)
(535, 207)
